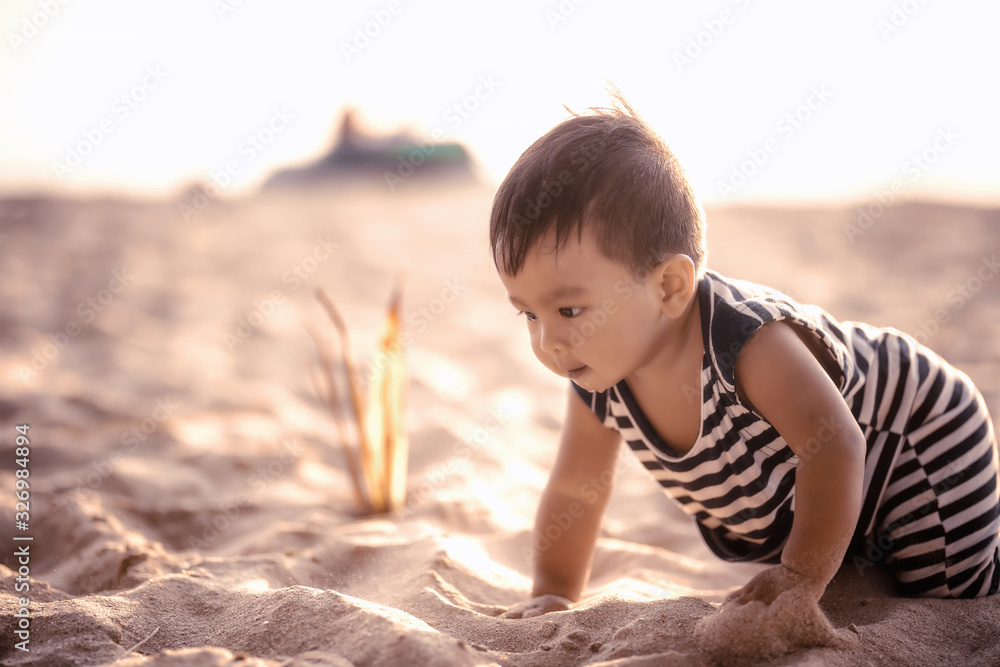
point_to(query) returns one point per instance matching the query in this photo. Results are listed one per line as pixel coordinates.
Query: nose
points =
(552, 339)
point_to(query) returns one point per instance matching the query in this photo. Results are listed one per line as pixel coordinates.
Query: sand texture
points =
(189, 497)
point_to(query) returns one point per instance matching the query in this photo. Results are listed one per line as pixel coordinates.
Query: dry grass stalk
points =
(326, 388)
(379, 468)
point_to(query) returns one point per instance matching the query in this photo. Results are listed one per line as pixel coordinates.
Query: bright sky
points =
(761, 100)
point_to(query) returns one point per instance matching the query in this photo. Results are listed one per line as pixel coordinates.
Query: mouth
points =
(574, 373)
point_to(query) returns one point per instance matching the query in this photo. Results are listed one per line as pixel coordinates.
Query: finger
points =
(760, 594)
(531, 613)
(513, 613)
(748, 593)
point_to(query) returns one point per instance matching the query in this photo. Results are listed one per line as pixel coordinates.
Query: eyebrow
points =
(557, 294)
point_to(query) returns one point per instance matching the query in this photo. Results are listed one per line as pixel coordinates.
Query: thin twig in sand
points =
(396, 442)
(380, 475)
(143, 641)
(333, 401)
(368, 470)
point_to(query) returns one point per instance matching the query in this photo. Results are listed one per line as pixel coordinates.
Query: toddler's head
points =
(599, 241)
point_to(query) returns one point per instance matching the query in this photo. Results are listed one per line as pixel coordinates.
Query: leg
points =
(941, 519)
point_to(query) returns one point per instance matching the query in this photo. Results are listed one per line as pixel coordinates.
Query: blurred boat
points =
(394, 159)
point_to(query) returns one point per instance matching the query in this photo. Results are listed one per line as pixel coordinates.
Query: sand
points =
(189, 502)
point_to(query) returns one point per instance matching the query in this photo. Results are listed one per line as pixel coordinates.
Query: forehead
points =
(571, 268)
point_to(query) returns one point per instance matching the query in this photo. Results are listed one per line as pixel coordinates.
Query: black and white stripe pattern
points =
(931, 507)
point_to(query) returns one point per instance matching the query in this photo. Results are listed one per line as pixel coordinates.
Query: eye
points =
(570, 313)
(528, 316)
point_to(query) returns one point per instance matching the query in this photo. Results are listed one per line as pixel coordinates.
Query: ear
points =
(676, 278)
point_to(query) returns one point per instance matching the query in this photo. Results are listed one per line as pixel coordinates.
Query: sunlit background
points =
(763, 101)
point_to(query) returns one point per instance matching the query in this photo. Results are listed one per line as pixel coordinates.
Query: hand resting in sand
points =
(775, 613)
(774, 581)
(537, 606)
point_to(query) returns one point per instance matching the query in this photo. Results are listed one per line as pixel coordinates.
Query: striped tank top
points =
(737, 481)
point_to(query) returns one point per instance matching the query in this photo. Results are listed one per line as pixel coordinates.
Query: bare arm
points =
(572, 505)
(780, 376)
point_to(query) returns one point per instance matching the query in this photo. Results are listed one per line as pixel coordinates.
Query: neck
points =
(680, 346)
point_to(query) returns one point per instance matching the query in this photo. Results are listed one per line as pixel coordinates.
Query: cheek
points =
(626, 328)
(591, 335)
(595, 341)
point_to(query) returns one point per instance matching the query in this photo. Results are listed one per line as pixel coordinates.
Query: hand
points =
(774, 581)
(537, 606)
(776, 612)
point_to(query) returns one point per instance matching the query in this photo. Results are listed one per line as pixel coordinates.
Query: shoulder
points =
(586, 448)
(732, 313)
(778, 362)
(736, 312)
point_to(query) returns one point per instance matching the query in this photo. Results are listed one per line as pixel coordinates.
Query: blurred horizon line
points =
(370, 184)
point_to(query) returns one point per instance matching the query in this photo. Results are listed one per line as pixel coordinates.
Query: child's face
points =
(589, 319)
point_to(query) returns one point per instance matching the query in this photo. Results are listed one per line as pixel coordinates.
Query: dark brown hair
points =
(607, 168)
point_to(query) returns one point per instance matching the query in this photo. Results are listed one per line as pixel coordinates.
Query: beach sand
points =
(189, 495)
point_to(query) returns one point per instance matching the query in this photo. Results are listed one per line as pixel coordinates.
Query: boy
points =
(788, 435)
